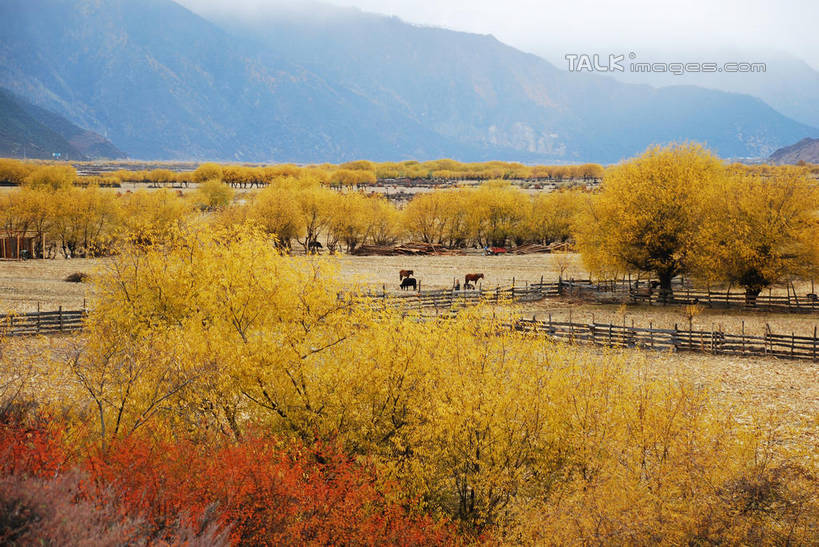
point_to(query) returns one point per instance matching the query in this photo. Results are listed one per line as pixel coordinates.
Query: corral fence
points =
(787, 346)
(42, 322)
(716, 342)
(683, 294)
(609, 291)
(447, 299)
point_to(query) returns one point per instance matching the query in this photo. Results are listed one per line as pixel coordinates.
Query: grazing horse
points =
(404, 273)
(409, 282)
(314, 246)
(472, 278)
(638, 292)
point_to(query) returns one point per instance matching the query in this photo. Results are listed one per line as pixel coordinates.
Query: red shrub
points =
(265, 493)
(31, 447)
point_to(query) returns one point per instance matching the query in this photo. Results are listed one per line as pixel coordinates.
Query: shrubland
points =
(225, 387)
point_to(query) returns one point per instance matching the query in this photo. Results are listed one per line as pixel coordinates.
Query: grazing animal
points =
(472, 278)
(644, 292)
(314, 246)
(409, 282)
(404, 273)
(77, 277)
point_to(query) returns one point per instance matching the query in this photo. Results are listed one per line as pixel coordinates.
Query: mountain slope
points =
(788, 84)
(806, 150)
(30, 131)
(165, 83)
(328, 84)
(474, 88)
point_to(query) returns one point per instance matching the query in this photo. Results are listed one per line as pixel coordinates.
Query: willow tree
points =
(758, 231)
(646, 216)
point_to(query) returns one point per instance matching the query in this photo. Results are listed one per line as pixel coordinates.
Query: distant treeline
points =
(355, 173)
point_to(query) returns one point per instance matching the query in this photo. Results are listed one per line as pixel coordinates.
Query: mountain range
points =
(322, 83)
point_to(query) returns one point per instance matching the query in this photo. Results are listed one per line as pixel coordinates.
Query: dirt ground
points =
(25, 284)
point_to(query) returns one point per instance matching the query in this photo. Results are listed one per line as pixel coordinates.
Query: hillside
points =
(806, 150)
(331, 84)
(33, 132)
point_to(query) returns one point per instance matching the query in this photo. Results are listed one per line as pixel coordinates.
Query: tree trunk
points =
(750, 295)
(666, 293)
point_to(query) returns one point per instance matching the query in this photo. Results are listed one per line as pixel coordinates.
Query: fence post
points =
(60, 312)
(743, 336)
(674, 338)
(814, 342)
(651, 333)
(38, 318)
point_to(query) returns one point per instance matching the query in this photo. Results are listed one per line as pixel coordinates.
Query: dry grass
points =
(764, 386)
(24, 284)
(439, 272)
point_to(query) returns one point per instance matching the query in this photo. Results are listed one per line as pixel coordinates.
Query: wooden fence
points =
(447, 299)
(44, 322)
(788, 346)
(684, 294)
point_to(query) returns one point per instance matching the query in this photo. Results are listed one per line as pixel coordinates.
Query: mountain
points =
(320, 83)
(29, 131)
(788, 84)
(162, 82)
(806, 150)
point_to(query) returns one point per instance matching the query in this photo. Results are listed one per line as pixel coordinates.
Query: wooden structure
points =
(20, 246)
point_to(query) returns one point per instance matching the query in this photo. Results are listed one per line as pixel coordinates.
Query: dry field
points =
(439, 272)
(25, 284)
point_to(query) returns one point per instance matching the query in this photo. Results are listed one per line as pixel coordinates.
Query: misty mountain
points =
(29, 131)
(788, 84)
(806, 150)
(321, 83)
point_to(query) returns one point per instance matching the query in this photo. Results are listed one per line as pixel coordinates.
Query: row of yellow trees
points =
(674, 210)
(679, 209)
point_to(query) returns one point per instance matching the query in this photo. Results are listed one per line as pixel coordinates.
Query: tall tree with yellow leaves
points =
(757, 231)
(648, 212)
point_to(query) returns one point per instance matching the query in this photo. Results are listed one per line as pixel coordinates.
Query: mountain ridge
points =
(164, 82)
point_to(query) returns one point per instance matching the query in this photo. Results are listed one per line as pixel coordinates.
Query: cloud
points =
(552, 28)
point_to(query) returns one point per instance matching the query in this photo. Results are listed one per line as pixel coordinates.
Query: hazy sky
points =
(552, 29)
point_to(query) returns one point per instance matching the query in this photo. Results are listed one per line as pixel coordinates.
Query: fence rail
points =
(787, 346)
(44, 322)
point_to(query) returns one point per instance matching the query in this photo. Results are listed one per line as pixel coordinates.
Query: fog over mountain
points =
(323, 83)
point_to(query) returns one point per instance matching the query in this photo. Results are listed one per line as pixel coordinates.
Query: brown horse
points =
(404, 273)
(472, 278)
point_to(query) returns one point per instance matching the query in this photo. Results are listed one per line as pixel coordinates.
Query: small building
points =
(20, 247)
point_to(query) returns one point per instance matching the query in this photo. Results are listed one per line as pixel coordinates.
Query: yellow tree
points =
(277, 213)
(214, 194)
(426, 216)
(206, 172)
(53, 177)
(553, 214)
(85, 220)
(499, 213)
(647, 214)
(758, 231)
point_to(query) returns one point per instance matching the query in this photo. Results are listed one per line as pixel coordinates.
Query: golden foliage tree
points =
(758, 231)
(647, 214)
